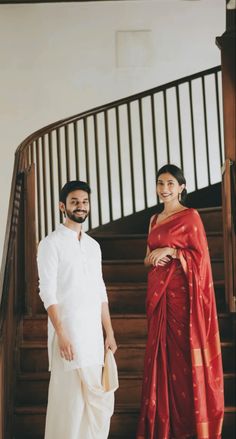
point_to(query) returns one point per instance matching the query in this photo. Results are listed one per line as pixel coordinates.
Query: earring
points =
(180, 196)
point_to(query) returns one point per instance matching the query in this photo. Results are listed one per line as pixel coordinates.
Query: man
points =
(74, 295)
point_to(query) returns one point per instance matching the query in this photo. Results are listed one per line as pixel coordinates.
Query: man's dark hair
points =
(71, 186)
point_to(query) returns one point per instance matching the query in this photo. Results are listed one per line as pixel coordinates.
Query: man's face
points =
(77, 206)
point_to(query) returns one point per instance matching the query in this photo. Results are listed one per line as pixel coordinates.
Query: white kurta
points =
(70, 275)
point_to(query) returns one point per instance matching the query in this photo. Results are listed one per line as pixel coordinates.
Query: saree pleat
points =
(182, 395)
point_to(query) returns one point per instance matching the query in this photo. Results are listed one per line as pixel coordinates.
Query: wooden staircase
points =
(125, 277)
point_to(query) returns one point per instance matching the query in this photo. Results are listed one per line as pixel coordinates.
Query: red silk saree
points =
(182, 395)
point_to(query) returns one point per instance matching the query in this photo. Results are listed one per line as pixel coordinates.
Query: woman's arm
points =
(146, 259)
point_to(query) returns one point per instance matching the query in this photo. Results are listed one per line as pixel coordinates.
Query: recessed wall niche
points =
(134, 48)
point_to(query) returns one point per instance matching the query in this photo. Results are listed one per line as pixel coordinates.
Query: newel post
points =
(227, 45)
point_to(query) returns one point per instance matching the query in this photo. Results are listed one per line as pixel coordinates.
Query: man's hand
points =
(65, 346)
(110, 343)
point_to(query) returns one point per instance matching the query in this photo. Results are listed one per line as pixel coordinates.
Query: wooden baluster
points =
(86, 148)
(76, 148)
(51, 180)
(206, 129)
(166, 127)
(97, 169)
(119, 161)
(143, 152)
(218, 117)
(193, 134)
(154, 133)
(108, 164)
(179, 127)
(131, 156)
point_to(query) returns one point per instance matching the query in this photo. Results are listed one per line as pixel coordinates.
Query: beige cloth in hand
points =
(110, 380)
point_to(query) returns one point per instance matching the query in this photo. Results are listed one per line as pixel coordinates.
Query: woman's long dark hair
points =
(176, 173)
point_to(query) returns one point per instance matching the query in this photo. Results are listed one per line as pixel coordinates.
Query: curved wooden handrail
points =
(101, 108)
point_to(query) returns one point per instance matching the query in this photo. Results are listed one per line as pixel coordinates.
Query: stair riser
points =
(135, 248)
(129, 359)
(123, 425)
(134, 272)
(34, 392)
(132, 301)
(126, 329)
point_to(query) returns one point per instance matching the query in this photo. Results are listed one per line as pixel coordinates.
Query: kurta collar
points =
(69, 232)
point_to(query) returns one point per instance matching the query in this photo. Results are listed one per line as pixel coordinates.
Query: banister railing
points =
(119, 146)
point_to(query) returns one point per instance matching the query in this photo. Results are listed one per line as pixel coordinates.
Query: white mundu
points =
(70, 276)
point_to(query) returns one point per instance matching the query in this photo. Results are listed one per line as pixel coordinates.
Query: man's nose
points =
(79, 204)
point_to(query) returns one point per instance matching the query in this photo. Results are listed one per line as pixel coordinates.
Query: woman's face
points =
(168, 188)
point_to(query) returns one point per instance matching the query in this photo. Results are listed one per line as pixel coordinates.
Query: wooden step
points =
(32, 389)
(212, 219)
(134, 246)
(29, 423)
(131, 327)
(129, 297)
(139, 222)
(130, 358)
(134, 270)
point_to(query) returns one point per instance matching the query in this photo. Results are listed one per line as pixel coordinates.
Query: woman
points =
(182, 394)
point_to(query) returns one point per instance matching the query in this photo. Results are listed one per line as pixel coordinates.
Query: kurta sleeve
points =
(102, 287)
(47, 260)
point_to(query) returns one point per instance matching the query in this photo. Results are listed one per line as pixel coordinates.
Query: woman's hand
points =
(160, 256)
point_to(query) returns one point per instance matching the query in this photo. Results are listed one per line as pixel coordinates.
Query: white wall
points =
(60, 59)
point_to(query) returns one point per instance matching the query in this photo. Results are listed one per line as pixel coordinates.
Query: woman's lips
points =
(165, 195)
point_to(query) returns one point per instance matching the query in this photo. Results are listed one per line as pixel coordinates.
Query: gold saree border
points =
(207, 429)
(211, 351)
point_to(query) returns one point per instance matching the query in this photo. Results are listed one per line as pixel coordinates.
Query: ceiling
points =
(50, 1)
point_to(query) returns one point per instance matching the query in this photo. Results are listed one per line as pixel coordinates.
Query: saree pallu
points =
(182, 395)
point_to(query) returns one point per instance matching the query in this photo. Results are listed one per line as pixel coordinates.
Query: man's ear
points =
(62, 208)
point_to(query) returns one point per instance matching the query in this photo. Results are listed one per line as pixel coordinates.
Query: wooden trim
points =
(31, 276)
(12, 287)
(229, 235)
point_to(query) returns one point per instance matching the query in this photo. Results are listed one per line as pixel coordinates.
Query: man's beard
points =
(73, 217)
